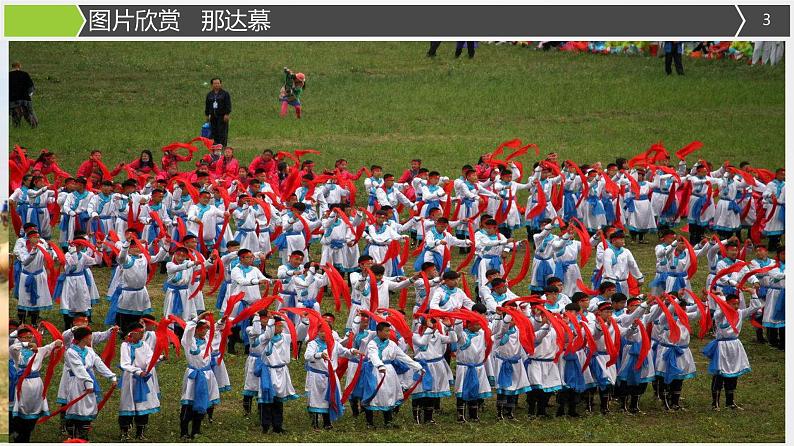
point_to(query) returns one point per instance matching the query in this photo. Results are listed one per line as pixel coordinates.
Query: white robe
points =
(79, 369)
(133, 365)
(381, 354)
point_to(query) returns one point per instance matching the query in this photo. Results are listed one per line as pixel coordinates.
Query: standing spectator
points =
(290, 94)
(20, 96)
(433, 48)
(673, 52)
(470, 47)
(217, 108)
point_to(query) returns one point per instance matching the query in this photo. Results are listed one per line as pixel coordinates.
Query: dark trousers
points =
(126, 321)
(27, 317)
(23, 428)
(388, 415)
(433, 48)
(777, 337)
(469, 49)
(220, 129)
(696, 233)
(773, 242)
(669, 58)
(141, 421)
(78, 428)
(189, 419)
(271, 414)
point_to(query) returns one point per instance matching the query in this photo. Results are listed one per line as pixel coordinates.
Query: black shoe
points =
(140, 432)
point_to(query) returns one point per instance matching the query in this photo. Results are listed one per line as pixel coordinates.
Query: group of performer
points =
(216, 231)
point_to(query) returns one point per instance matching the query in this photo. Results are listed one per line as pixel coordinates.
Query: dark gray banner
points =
(714, 21)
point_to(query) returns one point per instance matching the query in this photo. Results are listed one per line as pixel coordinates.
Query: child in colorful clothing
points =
(199, 387)
(320, 401)
(471, 378)
(138, 396)
(430, 343)
(28, 404)
(275, 383)
(512, 378)
(775, 307)
(290, 94)
(542, 372)
(727, 358)
(81, 362)
(382, 354)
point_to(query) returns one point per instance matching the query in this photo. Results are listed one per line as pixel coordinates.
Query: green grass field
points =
(385, 103)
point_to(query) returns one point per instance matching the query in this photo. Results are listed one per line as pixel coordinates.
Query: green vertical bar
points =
(42, 20)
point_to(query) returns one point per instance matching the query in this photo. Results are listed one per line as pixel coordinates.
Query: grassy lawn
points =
(385, 103)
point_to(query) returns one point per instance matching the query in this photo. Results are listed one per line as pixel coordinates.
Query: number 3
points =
(766, 19)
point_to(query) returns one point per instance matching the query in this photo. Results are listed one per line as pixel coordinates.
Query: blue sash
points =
(471, 382)
(281, 241)
(201, 391)
(31, 286)
(505, 378)
(427, 378)
(598, 372)
(335, 414)
(176, 304)
(17, 275)
(110, 318)
(628, 372)
(671, 358)
(140, 388)
(697, 208)
(712, 351)
(366, 390)
(573, 373)
(13, 377)
(438, 259)
(779, 313)
(62, 278)
(544, 270)
(596, 206)
(494, 262)
(660, 281)
(267, 392)
(569, 200)
(561, 267)
(680, 280)
(609, 210)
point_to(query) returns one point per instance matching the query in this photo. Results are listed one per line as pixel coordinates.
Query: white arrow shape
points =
(743, 20)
